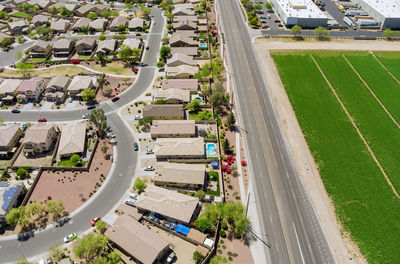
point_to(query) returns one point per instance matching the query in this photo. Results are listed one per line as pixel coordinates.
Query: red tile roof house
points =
(31, 89)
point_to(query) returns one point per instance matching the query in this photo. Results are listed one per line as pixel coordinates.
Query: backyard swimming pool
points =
(210, 149)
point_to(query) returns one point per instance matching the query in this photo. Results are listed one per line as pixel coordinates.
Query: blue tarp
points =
(182, 229)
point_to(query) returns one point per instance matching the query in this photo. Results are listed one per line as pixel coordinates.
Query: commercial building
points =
(300, 12)
(180, 175)
(385, 12)
(170, 204)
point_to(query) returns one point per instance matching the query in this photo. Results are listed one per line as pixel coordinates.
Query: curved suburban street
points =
(122, 174)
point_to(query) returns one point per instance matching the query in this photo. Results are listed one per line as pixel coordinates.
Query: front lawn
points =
(21, 15)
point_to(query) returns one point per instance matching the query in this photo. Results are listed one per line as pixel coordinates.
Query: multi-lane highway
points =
(284, 208)
(121, 178)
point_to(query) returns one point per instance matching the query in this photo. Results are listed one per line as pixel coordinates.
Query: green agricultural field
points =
(365, 204)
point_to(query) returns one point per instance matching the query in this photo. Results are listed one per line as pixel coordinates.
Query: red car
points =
(114, 99)
(42, 119)
(94, 220)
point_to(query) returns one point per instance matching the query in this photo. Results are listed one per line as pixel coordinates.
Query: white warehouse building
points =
(385, 12)
(300, 12)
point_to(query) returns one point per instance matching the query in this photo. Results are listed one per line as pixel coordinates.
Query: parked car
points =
(171, 257)
(69, 238)
(135, 146)
(16, 111)
(85, 116)
(42, 119)
(149, 168)
(149, 151)
(94, 220)
(90, 107)
(137, 117)
(114, 99)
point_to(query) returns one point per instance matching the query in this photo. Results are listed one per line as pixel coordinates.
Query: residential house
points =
(173, 96)
(80, 83)
(173, 129)
(5, 8)
(118, 21)
(60, 26)
(186, 84)
(9, 194)
(69, 7)
(99, 24)
(132, 43)
(178, 19)
(141, 243)
(84, 10)
(180, 175)
(181, 71)
(136, 23)
(39, 138)
(42, 49)
(56, 89)
(63, 48)
(106, 46)
(9, 89)
(81, 22)
(40, 20)
(85, 46)
(181, 59)
(189, 51)
(183, 38)
(160, 111)
(31, 89)
(72, 141)
(9, 139)
(170, 204)
(186, 9)
(179, 148)
(17, 27)
(185, 24)
(42, 4)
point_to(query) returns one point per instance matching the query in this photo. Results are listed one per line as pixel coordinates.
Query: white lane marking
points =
(298, 242)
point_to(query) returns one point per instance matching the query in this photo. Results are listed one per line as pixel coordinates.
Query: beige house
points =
(56, 89)
(80, 83)
(180, 175)
(31, 89)
(161, 111)
(179, 148)
(170, 204)
(140, 242)
(9, 138)
(173, 96)
(39, 138)
(186, 84)
(9, 89)
(9, 193)
(63, 48)
(181, 71)
(181, 59)
(173, 128)
(42, 49)
(72, 141)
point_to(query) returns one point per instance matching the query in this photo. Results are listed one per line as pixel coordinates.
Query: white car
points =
(137, 117)
(149, 168)
(69, 237)
(85, 116)
(149, 151)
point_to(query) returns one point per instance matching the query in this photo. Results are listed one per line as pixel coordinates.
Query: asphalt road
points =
(123, 174)
(288, 220)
